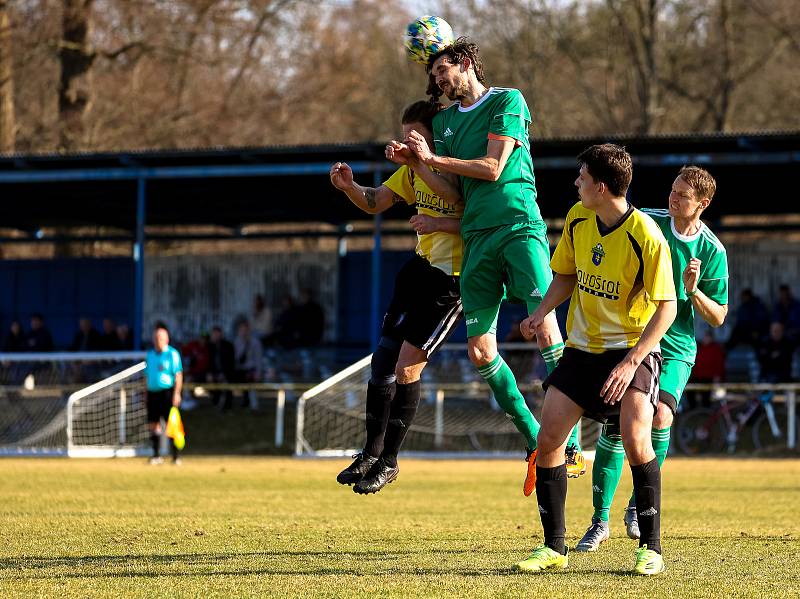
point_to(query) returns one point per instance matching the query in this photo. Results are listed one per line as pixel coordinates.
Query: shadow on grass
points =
(355, 563)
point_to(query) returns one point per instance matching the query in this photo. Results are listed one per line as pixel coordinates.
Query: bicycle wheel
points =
(700, 431)
(763, 437)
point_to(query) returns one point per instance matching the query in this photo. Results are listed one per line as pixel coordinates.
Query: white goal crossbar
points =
(106, 419)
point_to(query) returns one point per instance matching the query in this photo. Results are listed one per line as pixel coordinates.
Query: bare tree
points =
(76, 57)
(8, 123)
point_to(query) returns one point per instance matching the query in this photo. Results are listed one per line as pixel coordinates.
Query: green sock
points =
(574, 437)
(660, 438)
(606, 472)
(504, 386)
(552, 355)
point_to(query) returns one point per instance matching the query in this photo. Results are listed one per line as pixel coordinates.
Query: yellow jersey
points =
(622, 272)
(442, 250)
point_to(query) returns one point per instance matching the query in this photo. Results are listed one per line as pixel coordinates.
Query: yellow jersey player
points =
(425, 306)
(615, 264)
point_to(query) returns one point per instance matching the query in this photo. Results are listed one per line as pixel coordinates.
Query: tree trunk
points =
(76, 56)
(8, 123)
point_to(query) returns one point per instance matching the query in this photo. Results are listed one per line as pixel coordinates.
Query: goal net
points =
(108, 419)
(457, 416)
(46, 407)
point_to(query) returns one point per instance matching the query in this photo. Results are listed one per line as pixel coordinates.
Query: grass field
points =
(220, 527)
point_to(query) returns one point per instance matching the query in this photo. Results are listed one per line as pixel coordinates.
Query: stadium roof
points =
(236, 186)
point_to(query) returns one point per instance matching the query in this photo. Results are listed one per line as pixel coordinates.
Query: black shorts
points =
(425, 307)
(159, 404)
(580, 375)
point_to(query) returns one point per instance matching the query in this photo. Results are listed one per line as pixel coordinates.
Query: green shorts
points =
(672, 382)
(510, 262)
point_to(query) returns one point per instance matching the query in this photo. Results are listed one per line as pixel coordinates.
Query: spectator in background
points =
(15, 339)
(221, 365)
(751, 321)
(262, 319)
(124, 339)
(709, 367)
(87, 338)
(311, 320)
(38, 338)
(248, 354)
(787, 312)
(287, 325)
(775, 356)
(108, 340)
(196, 356)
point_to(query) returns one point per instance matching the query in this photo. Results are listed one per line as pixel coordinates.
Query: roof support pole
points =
(138, 262)
(376, 271)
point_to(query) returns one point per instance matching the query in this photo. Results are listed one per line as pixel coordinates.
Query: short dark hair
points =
(609, 164)
(462, 48)
(419, 112)
(160, 324)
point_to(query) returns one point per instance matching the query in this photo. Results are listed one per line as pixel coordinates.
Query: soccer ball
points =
(426, 36)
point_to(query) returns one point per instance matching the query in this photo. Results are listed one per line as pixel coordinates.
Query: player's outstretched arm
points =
(709, 310)
(424, 223)
(617, 382)
(487, 168)
(445, 185)
(371, 200)
(560, 290)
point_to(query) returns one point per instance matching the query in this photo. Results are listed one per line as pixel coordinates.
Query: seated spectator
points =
(87, 338)
(124, 338)
(751, 322)
(248, 354)
(221, 365)
(38, 338)
(287, 331)
(262, 319)
(775, 356)
(15, 339)
(709, 367)
(108, 340)
(196, 356)
(787, 312)
(310, 320)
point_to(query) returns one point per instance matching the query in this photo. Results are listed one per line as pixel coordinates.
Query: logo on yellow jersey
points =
(597, 254)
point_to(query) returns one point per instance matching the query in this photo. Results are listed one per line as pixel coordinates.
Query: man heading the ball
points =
(481, 142)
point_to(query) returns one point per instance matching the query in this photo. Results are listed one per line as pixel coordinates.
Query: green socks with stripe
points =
(608, 463)
(501, 380)
(609, 460)
(552, 355)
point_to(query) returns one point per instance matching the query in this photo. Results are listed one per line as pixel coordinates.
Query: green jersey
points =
(679, 343)
(464, 133)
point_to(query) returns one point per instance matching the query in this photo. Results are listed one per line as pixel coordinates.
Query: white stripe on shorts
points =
(443, 329)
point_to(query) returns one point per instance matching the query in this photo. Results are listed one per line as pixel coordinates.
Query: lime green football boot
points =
(648, 563)
(542, 558)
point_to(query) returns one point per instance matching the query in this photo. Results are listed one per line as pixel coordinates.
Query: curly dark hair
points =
(609, 164)
(462, 48)
(422, 111)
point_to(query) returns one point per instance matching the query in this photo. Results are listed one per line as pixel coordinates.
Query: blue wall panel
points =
(63, 291)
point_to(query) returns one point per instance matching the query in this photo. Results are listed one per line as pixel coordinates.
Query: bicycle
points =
(714, 429)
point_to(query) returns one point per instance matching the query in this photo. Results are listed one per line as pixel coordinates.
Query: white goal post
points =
(457, 416)
(108, 418)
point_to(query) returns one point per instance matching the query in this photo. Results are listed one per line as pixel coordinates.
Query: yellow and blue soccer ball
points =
(426, 36)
